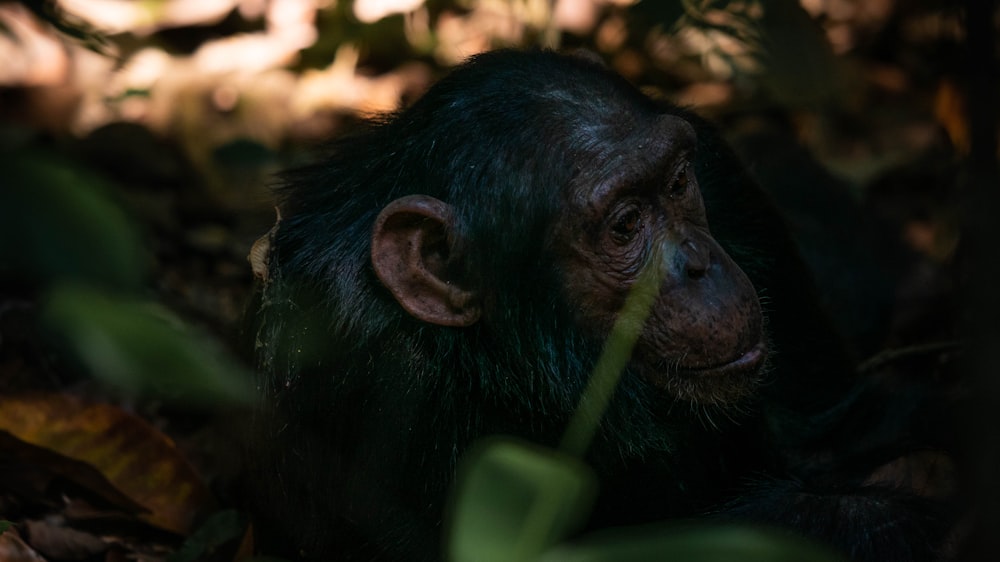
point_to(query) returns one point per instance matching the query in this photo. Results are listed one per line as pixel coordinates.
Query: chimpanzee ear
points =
(413, 253)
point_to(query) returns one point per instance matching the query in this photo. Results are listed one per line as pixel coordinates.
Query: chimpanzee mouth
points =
(724, 385)
(750, 362)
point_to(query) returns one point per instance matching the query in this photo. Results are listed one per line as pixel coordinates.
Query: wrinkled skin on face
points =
(639, 207)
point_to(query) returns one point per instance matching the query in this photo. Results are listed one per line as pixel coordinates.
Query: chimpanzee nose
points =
(696, 258)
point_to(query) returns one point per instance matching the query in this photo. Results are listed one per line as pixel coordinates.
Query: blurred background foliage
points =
(138, 140)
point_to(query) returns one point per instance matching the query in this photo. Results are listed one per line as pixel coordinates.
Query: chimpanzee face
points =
(637, 206)
(630, 206)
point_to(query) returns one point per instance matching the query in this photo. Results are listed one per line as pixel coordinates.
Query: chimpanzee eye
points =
(627, 225)
(680, 182)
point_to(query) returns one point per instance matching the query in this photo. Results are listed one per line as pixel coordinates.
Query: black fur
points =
(366, 410)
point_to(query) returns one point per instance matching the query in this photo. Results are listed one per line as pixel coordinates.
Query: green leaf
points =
(57, 223)
(141, 347)
(689, 543)
(615, 355)
(4, 525)
(514, 500)
(219, 529)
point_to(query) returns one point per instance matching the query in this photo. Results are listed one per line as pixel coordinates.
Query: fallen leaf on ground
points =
(137, 459)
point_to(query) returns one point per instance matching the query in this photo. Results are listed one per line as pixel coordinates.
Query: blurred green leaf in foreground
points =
(62, 236)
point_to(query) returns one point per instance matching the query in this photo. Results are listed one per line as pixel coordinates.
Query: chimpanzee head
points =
(603, 182)
(476, 248)
(453, 271)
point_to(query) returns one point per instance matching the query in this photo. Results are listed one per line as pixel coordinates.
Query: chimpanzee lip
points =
(749, 362)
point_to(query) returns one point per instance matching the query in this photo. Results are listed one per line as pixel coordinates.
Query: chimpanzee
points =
(452, 271)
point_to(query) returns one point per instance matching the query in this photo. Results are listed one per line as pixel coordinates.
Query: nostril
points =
(697, 262)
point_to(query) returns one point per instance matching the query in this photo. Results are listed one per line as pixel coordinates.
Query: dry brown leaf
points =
(135, 457)
(949, 109)
(30, 470)
(246, 549)
(53, 538)
(13, 549)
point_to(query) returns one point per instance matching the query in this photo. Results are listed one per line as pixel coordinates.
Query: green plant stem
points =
(610, 365)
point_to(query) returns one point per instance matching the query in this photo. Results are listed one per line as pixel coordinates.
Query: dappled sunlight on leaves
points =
(488, 25)
(340, 87)
(370, 11)
(32, 56)
(113, 16)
